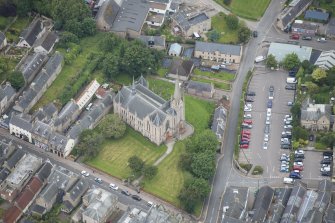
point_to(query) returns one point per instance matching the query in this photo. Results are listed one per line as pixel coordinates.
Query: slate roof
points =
(42, 129)
(2, 37)
(48, 41)
(131, 15)
(280, 50)
(175, 48)
(325, 186)
(222, 48)
(4, 172)
(326, 59)
(186, 22)
(153, 40)
(199, 86)
(219, 121)
(58, 141)
(7, 91)
(45, 171)
(181, 67)
(32, 64)
(294, 11)
(315, 112)
(160, 1)
(66, 112)
(31, 33)
(307, 205)
(15, 158)
(234, 203)
(330, 30)
(38, 209)
(21, 122)
(78, 189)
(316, 15)
(46, 113)
(305, 25)
(281, 198)
(330, 214)
(262, 203)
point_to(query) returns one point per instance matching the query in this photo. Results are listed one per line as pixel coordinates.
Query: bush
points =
(246, 166)
(320, 146)
(258, 170)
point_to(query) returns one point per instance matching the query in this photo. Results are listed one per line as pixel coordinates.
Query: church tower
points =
(177, 103)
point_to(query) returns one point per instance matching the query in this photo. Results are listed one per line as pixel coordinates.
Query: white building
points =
(87, 94)
(326, 60)
(20, 126)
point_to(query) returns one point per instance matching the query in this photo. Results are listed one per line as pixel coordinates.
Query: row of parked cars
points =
(326, 163)
(247, 121)
(298, 165)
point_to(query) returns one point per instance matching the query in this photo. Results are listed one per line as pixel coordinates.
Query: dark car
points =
(271, 88)
(98, 180)
(251, 93)
(326, 161)
(269, 105)
(290, 87)
(298, 159)
(328, 153)
(311, 137)
(326, 173)
(255, 34)
(136, 197)
(285, 146)
(292, 72)
(307, 38)
(249, 99)
(244, 142)
(295, 176)
(299, 156)
(125, 192)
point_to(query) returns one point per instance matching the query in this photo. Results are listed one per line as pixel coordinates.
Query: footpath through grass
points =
(225, 76)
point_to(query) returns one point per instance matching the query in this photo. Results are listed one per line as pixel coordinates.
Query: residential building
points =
(46, 113)
(330, 214)
(326, 60)
(6, 150)
(288, 15)
(148, 113)
(7, 95)
(218, 52)
(316, 15)
(294, 202)
(20, 126)
(98, 205)
(46, 43)
(14, 216)
(14, 159)
(72, 198)
(87, 94)
(44, 172)
(91, 119)
(34, 31)
(175, 49)
(234, 204)
(304, 28)
(40, 84)
(106, 15)
(4, 173)
(3, 40)
(134, 215)
(190, 20)
(155, 19)
(219, 122)
(262, 204)
(31, 65)
(60, 181)
(200, 89)
(181, 69)
(67, 116)
(315, 116)
(14, 183)
(155, 42)
(279, 203)
(280, 50)
(41, 134)
(60, 145)
(330, 30)
(130, 18)
(160, 6)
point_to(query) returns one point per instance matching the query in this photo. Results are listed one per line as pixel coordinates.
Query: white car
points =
(268, 112)
(288, 116)
(249, 105)
(84, 173)
(299, 151)
(247, 116)
(288, 119)
(151, 204)
(267, 120)
(288, 126)
(285, 163)
(298, 164)
(287, 122)
(284, 140)
(265, 145)
(113, 186)
(266, 138)
(247, 109)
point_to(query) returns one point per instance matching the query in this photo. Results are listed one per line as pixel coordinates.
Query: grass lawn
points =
(162, 71)
(218, 85)
(162, 88)
(220, 75)
(11, 62)
(251, 9)
(4, 21)
(69, 71)
(13, 33)
(114, 155)
(226, 35)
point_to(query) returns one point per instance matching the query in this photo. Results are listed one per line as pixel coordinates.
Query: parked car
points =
(247, 116)
(328, 153)
(244, 146)
(246, 109)
(285, 163)
(246, 132)
(306, 37)
(295, 175)
(266, 138)
(113, 186)
(248, 121)
(298, 160)
(284, 169)
(98, 180)
(244, 142)
(267, 120)
(288, 116)
(295, 36)
(295, 167)
(269, 105)
(84, 173)
(251, 93)
(299, 156)
(284, 140)
(325, 169)
(267, 129)
(326, 161)
(244, 126)
(271, 88)
(249, 99)
(290, 87)
(136, 197)
(298, 164)
(265, 145)
(245, 136)
(287, 123)
(290, 103)
(271, 95)
(125, 192)
(268, 112)
(288, 126)
(284, 158)
(244, 139)
(326, 173)
(322, 40)
(255, 34)
(285, 146)
(299, 151)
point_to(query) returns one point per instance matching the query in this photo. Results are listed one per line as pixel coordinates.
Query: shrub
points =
(246, 166)
(258, 170)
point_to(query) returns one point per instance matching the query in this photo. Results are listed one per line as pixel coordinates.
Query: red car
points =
(244, 146)
(246, 136)
(246, 132)
(247, 122)
(295, 36)
(301, 168)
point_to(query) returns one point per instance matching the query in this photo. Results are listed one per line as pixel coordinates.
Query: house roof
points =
(325, 186)
(186, 20)
(199, 86)
(131, 16)
(15, 158)
(42, 129)
(78, 189)
(7, 91)
(307, 205)
(280, 50)
(12, 215)
(234, 203)
(158, 5)
(32, 64)
(175, 48)
(45, 171)
(330, 30)
(24, 199)
(262, 203)
(293, 12)
(58, 141)
(214, 47)
(66, 113)
(34, 185)
(153, 40)
(326, 59)
(48, 41)
(314, 112)
(305, 25)
(219, 121)
(30, 34)
(330, 214)
(317, 15)
(38, 209)
(4, 172)
(21, 122)
(181, 67)
(2, 37)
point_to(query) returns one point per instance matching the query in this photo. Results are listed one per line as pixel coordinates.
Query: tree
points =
(213, 36)
(89, 27)
(16, 79)
(110, 66)
(23, 7)
(136, 164)
(300, 133)
(185, 161)
(194, 190)
(66, 38)
(291, 61)
(227, 2)
(328, 139)
(319, 74)
(89, 143)
(244, 34)
(206, 141)
(271, 61)
(112, 126)
(150, 171)
(312, 87)
(203, 165)
(232, 21)
(109, 42)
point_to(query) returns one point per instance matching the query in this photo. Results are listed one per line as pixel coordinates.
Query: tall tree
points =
(89, 143)
(150, 171)
(136, 164)
(16, 79)
(291, 61)
(206, 141)
(232, 21)
(203, 165)
(244, 34)
(271, 62)
(112, 126)
(319, 75)
(110, 65)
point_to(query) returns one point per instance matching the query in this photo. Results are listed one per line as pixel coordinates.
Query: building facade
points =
(148, 113)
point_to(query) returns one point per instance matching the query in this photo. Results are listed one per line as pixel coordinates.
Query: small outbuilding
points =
(181, 69)
(175, 49)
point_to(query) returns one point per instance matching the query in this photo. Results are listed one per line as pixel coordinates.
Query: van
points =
(259, 59)
(291, 80)
(288, 180)
(322, 40)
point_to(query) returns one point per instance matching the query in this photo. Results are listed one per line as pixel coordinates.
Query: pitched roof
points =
(280, 50)
(314, 112)
(326, 59)
(330, 30)
(175, 48)
(131, 16)
(293, 12)
(4, 172)
(185, 21)
(199, 86)
(262, 203)
(234, 203)
(24, 199)
(49, 40)
(317, 15)
(34, 185)
(222, 48)
(181, 67)
(19, 121)
(66, 113)
(31, 33)
(32, 64)
(78, 189)
(12, 215)
(330, 214)
(7, 91)
(45, 171)
(219, 121)
(15, 158)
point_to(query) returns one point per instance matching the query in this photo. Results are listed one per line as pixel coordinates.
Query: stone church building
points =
(148, 113)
